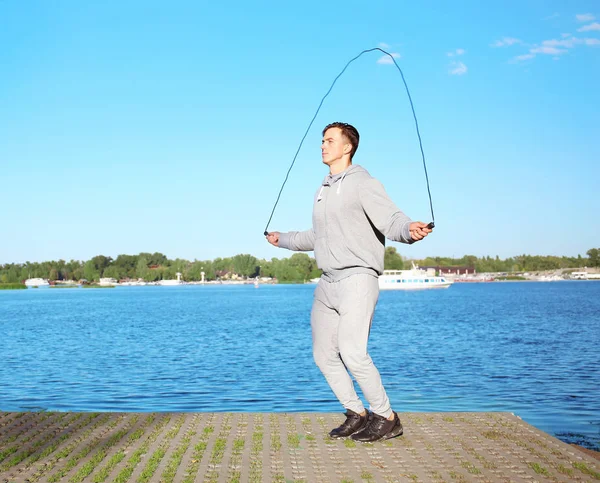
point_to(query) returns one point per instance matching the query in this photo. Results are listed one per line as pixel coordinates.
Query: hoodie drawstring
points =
(339, 188)
(320, 197)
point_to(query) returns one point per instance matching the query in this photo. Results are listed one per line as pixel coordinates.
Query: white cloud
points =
(457, 68)
(556, 47)
(456, 52)
(570, 42)
(385, 59)
(567, 43)
(590, 27)
(383, 45)
(550, 17)
(506, 41)
(544, 49)
(525, 57)
(585, 17)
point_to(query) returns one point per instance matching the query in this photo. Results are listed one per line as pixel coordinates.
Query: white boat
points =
(37, 282)
(549, 278)
(579, 276)
(107, 282)
(414, 279)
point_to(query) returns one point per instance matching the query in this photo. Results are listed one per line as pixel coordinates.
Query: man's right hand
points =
(419, 230)
(273, 238)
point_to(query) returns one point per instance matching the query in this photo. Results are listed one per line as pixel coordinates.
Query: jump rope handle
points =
(266, 233)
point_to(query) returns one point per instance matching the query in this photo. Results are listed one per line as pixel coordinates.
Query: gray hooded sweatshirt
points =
(352, 215)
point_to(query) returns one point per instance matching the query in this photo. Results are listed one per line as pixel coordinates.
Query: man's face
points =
(334, 146)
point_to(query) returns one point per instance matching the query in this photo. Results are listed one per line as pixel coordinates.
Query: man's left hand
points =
(418, 230)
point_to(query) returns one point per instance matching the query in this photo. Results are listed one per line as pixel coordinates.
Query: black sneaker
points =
(379, 428)
(354, 423)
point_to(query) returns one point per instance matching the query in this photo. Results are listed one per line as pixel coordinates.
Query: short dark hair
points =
(349, 132)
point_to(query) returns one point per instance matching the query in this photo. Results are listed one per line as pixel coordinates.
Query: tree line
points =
(521, 263)
(298, 267)
(151, 267)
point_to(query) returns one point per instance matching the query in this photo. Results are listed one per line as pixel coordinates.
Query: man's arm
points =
(299, 241)
(383, 213)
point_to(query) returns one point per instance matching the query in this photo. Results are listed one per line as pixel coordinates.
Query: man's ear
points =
(347, 148)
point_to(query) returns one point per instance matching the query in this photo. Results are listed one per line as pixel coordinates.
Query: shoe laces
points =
(377, 422)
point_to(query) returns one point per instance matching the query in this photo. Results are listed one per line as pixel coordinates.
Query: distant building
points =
(222, 274)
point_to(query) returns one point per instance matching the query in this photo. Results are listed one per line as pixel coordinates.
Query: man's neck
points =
(339, 166)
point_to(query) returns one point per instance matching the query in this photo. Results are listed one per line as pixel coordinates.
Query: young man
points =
(352, 215)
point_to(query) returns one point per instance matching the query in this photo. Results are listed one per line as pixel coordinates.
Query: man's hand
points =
(418, 230)
(273, 238)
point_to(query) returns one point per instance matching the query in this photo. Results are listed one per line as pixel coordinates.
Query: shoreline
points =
(589, 452)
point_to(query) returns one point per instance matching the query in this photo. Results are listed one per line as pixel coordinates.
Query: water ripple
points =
(528, 348)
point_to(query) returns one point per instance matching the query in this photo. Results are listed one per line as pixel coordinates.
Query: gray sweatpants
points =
(341, 321)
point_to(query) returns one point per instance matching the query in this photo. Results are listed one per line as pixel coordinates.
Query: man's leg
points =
(325, 323)
(358, 297)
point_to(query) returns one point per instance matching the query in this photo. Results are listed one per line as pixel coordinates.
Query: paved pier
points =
(279, 447)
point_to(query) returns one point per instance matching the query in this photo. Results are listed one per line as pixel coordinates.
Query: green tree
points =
(112, 272)
(468, 261)
(195, 269)
(267, 268)
(77, 274)
(392, 259)
(141, 270)
(127, 265)
(167, 273)
(287, 273)
(53, 275)
(10, 273)
(315, 272)
(594, 254)
(302, 264)
(245, 265)
(101, 263)
(223, 265)
(74, 270)
(159, 273)
(155, 258)
(180, 265)
(90, 272)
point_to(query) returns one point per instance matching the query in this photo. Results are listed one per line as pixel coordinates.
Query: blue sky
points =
(169, 126)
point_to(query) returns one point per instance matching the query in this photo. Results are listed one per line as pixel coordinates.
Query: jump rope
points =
(432, 223)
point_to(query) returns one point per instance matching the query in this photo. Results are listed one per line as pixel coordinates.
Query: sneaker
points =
(354, 423)
(379, 428)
